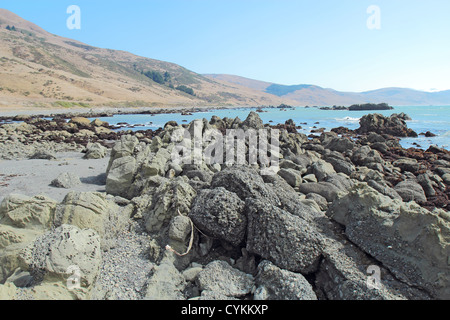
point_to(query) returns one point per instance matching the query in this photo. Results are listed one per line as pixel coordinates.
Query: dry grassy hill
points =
(39, 69)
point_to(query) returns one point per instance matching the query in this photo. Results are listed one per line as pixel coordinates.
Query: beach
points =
(340, 201)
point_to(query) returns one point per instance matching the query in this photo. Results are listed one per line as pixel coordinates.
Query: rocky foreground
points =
(342, 204)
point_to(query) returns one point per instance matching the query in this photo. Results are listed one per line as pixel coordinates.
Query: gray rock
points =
(339, 163)
(66, 180)
(287, 240)
(292, 176)
(406, 238)
(253, 121)
(384, 189)
(245, 182)
(95, 151)
(43, 155)
(220, 214)
(364, 156)
(273, 283)
(326, 189)
(427, 185)
(220, 278)
(410, 190)
(170, 199)
(408, 164)
(120, 176)
(166, 283)
(290, 200)
(340, 144)
(317, 198)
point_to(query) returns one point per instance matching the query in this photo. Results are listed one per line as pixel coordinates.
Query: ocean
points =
(435, 119)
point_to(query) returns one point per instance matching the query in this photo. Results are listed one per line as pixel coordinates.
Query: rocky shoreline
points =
(342, 203)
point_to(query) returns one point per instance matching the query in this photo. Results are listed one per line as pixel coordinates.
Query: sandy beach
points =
(33, 177)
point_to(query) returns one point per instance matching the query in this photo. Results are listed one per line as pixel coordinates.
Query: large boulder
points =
(34, 213)
(52, 255)
(322, 170)
(171, 198)
(93, 210)
(410, 190)
(273, 283)
(121, 176)
(395, 125)
(220, 214)
(245, 182)
(288, 241)
(412, 242)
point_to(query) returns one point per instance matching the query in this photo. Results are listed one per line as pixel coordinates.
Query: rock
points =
(384, 189)
(407, 239)
(287, 240)
(292, 176)
(81, 121)
(34, 213)
(92, 210)
(8, 291)
(339, 144)
(395, 125)
(273, 283)
(220, 214)
(326, 189)
(66, 180)
(427, 185)
(43, 155)
(51, 254)
(99, 123)
(322, 170)
(170, 199)
(166, 283)
(410, 190)
(180, 228)
(290, 200)
(245, 182)
(317, 198)
(158, 165)
(123, 148)
(95, 151)
(364, 156)
(220, 278)
(408, 164)
(344, 275)
(339, 163)
(10, 236)
(253, 121)
(121, 176)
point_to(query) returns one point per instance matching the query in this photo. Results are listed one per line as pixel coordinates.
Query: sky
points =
(344, 45)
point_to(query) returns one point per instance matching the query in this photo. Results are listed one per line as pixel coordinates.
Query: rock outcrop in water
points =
(337, 209)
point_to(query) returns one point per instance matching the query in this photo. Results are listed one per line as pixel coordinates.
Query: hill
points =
(306, 94)
(38, 68)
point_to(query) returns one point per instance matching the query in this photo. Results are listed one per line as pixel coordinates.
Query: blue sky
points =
(321, 42)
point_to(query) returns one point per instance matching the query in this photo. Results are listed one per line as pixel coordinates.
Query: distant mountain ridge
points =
(307, 94)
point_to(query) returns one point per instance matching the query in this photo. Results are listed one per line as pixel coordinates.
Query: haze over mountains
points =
(305, 94)
(38, 68)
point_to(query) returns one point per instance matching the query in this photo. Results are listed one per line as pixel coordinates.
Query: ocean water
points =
(435, 119)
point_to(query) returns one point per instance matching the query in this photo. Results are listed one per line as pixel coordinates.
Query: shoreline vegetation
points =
(342, 201)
